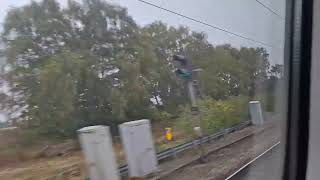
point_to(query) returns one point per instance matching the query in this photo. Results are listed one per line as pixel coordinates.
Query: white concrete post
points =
(256, 113)
(97, 147)
(138, 144)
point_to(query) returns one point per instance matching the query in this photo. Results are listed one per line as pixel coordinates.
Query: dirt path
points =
(67, 166)
(59, 168)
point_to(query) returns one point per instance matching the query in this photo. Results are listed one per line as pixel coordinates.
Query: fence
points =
(172, 152)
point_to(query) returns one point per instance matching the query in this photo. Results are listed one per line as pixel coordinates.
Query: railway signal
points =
(186, 72)
(183, 71)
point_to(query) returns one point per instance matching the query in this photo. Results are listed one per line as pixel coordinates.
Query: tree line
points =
(91, 63)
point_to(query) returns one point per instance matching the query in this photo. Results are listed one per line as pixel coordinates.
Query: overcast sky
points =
(244, 17)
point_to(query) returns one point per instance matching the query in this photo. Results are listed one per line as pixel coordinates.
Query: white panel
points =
(138, 144)
(97, 147)
(256, 112)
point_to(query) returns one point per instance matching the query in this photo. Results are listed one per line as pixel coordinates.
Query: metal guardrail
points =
(172, 152)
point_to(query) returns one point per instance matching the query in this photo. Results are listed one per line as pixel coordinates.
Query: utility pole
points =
(187, 73)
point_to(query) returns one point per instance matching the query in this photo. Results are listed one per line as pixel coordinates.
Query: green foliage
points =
(89, 63)
(29, 138)
(216, 114)
(164, 116)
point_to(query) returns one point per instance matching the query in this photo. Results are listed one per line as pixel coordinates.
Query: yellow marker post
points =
(169, 134)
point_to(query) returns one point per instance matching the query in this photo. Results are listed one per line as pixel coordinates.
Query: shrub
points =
(215, 114)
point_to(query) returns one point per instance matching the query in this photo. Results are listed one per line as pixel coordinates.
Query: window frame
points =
(298, 43)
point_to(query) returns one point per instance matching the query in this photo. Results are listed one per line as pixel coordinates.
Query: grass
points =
(171, 144)
(73, 166)
(47, 168)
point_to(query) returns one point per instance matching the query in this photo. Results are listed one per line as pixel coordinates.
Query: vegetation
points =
(216, 114)
(90, 63)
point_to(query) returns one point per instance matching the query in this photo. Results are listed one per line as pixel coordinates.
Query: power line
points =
(269, 9)
(206, 24)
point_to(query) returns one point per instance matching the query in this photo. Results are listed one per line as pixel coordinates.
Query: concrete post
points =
(139, 147)
(192, 94)
(256, 113)
(97, 147)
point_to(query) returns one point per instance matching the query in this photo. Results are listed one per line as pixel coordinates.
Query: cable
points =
(269, 9)
(206, 24)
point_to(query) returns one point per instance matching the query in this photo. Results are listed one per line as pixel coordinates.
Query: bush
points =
(161, 116)
(215, 114)
(29, 137)
(267, 101)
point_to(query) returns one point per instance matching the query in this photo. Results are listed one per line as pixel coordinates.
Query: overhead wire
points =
(269, 9)
(206, 24)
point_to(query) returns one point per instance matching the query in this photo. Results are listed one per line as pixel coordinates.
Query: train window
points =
(313, 166)
(152, 89)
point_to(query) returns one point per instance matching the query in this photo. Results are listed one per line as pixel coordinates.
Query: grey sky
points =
(244, 17)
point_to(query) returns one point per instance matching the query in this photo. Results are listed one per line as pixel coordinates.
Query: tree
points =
(90, 63)
(52, 69)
